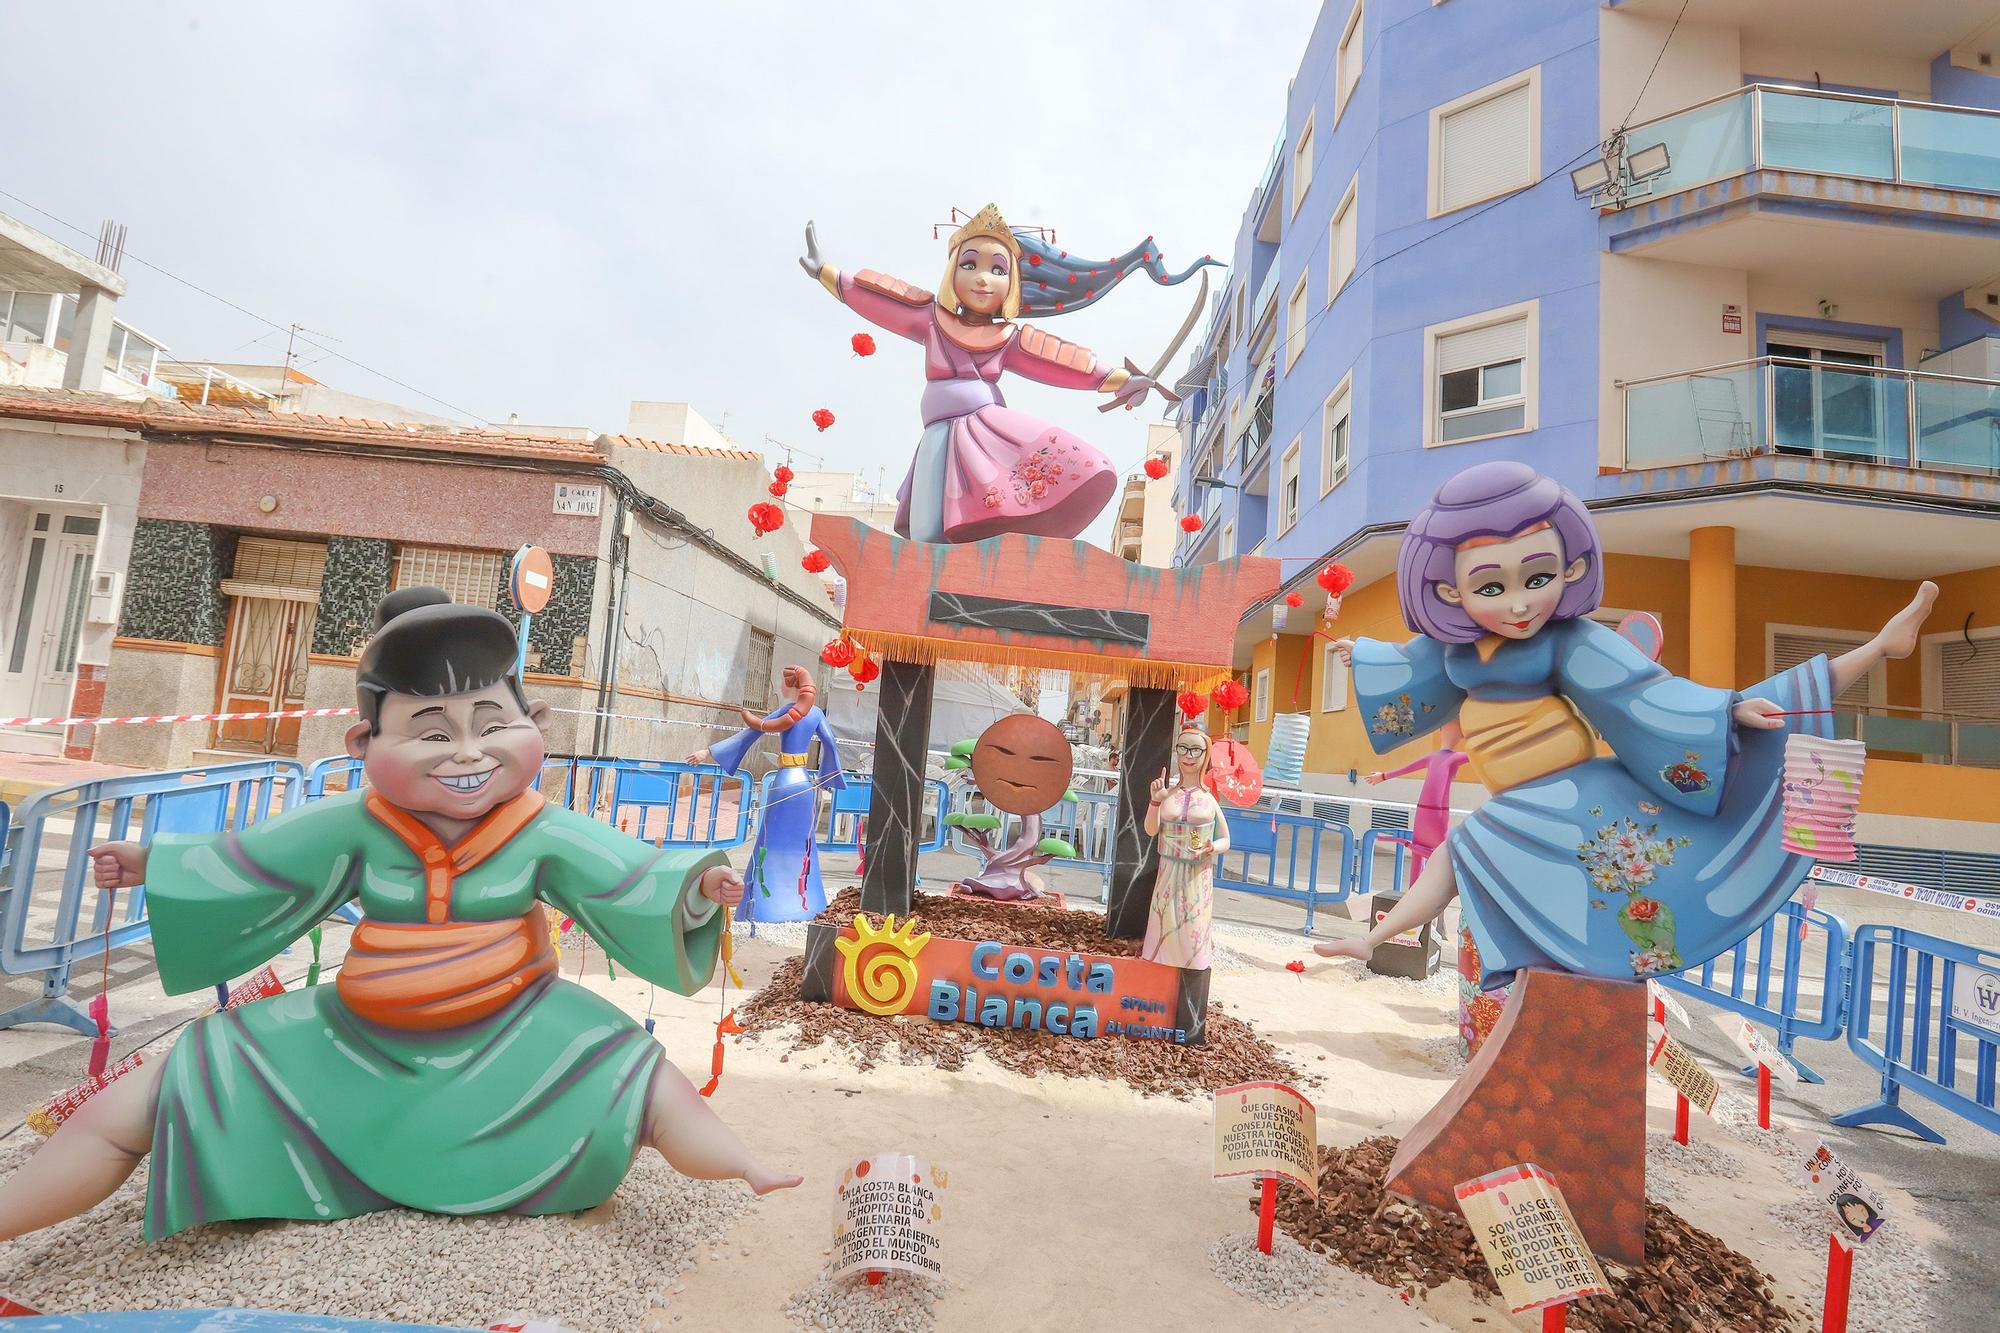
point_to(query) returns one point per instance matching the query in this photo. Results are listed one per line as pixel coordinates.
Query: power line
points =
(1662, 55)
(251, 314)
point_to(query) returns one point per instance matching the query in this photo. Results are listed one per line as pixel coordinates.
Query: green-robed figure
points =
(447, 1068)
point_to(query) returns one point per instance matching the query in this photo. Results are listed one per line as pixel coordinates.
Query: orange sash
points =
(442, 973)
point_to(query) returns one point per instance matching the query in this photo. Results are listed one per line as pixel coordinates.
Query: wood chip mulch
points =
(1691, 1282)
(1233, 1053)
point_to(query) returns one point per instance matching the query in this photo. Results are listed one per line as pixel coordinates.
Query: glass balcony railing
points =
(1817, 409)
(1967, 740)
(1832, 134)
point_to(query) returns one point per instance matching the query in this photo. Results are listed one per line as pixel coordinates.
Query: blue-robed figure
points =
(782, 882)
(1652, 858)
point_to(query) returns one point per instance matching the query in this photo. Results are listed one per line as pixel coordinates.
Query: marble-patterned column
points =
(1149, 743)
(896, 805)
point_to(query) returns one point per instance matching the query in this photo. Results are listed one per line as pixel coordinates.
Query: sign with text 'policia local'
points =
(892, 970)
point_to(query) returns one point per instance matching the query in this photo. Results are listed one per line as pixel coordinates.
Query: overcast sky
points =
(553, 210)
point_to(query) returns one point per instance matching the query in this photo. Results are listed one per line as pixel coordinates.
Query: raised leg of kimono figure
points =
(1897, 640)
(1436, 885)
(691, 1136)
(86, 1159)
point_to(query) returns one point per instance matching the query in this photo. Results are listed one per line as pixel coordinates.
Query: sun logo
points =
(880, 971)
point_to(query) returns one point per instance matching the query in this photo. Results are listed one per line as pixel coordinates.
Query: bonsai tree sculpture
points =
(1021, 765)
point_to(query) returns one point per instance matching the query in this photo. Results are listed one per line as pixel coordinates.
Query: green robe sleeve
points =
(223, 904)
(630, 897)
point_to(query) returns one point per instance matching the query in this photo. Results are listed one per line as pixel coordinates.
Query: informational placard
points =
(887, 1216)
(1682, 1072)
(586, 501)
(1658, 998)
(1858, 1212)
(1732, 319)
(1975, 996)
(259, 985)
(1755, 1049)
(1267, 1129)
(1530, 1240)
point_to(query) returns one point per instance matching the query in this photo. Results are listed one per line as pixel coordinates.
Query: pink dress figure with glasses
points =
(1186, 818)
(982, 468)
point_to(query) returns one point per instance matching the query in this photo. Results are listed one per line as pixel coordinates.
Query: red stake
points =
(1267, 1213)
(1555, 1318)
(1839, 1267)
(1680, 1119)
(1763, 1096)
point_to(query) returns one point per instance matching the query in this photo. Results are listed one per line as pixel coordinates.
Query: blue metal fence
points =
(1742, 980)
(840, 829)
(55, 917)
(1317, 857)
(1934, 1032)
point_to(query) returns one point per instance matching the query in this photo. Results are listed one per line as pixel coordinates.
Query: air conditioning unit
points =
(106, 586)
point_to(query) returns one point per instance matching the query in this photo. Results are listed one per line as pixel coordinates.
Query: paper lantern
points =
(1295, 599)
(822, 418)
(1229, 695)
(1192, 523)
(1336, 579)
(782, 473)
(766, 517)
(864, 670)
(1191, 704)
(815, 562)
(777, 488)
(1156, 468)
(863, 344)
(837, 654)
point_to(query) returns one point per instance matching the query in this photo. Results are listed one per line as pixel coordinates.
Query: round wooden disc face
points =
(1022, 764)
(534, 579)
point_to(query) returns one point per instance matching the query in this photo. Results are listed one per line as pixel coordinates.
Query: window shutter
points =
(1483, 149)
(1789, 650)
(1486, 346)
(1971, 676)
(469, 577)
(279, 564)
(1344, 233)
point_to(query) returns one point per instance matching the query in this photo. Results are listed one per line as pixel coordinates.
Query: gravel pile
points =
(1691, 1282)
(606, 1271)
(1233, 1053)
(1669, 1163)
(1289, 1274)
(1890, 1288)
(899, 1303)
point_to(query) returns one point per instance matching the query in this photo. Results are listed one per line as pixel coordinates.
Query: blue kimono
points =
(782, 883)
(1655, 859)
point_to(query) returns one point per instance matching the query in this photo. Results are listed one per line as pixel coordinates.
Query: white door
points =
(49, 607)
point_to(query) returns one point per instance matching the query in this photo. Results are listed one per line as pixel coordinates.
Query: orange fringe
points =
(1143, 672)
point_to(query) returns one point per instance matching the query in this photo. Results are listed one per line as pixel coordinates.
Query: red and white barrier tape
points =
(172, 717)
(1964, 903)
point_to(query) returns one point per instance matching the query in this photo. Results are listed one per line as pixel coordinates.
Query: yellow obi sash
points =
(1512, 741)
(792, 760)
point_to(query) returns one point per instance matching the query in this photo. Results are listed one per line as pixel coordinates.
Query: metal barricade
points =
(840, 829)
(1296, 841)
(1756, 963)
(1936, 1030)
(662, 801)
(1086, 824)
(1401, 860)
(59, 904)
(335, 773)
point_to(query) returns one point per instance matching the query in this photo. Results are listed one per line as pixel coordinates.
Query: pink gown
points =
(982, 468)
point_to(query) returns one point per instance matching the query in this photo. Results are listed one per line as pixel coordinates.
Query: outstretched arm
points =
(1047, 359)
(888, 303)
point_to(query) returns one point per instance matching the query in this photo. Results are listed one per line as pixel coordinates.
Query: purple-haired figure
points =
(1653, 859)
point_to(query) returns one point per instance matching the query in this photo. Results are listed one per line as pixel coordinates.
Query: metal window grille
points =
(757, 673)
(470, 577)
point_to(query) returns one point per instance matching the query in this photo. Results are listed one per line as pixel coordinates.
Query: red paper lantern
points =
(815, 562)
(1336, 579)
(1156, 468)
(1293, 599)
(1192, 523)
(1192, 704)
(863, 344)
(1229, 695)
(865, 670)
(822, 418)
(837, 654)
(766, 517)
(783, 473)
(777, 488)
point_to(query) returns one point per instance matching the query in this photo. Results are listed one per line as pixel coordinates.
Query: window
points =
(1968, 689)
(1487, 143)
(1332, 680)
(1785, 646)
(1302, 164)
(1225, 545)
(1263, 695)
(472, 577)
(1242, 295)
(1343, 234)
(1288, 488)
(1295, 323)
(1336, 423)
(1347, 62)
(30, 323)
(757, 671)
(1482, 375)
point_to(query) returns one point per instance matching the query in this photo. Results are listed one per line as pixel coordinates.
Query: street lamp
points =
(1619, 178)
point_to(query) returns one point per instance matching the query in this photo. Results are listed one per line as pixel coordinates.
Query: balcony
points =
(1767, 159)
(1132, 503)
(1813, 409)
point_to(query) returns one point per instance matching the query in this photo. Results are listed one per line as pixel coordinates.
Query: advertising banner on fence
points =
(1856, 1208)
(887, 1216)
(1529, 1238)
(1683, 1073)
(1267, 1129)
(1975, 996)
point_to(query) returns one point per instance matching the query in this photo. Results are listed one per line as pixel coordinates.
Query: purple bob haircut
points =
(1499, 500)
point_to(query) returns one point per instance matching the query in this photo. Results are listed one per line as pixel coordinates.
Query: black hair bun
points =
(408, 599)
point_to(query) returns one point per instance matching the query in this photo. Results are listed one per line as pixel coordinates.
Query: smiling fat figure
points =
(1022, 764)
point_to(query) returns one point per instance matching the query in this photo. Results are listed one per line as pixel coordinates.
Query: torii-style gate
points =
(1030, 601)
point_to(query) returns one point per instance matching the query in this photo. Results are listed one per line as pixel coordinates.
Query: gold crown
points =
(987, 222)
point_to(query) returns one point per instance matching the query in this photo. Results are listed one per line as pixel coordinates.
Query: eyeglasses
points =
(1190, 751)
